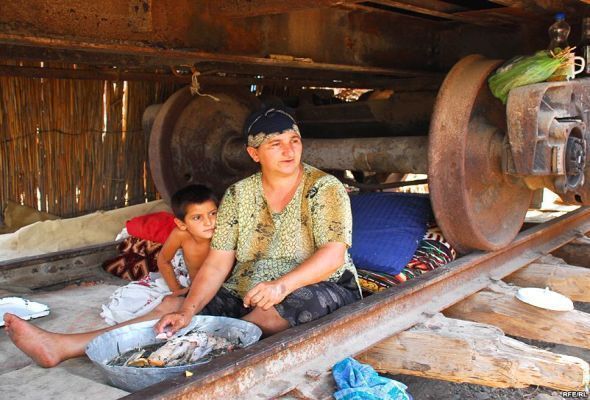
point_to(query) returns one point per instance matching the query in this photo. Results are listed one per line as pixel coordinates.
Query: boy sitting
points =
(181, 256)
(195, 212)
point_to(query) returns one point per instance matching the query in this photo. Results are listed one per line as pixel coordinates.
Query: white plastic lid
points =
(545, 298)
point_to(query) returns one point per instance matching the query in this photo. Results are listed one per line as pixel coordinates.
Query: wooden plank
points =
(432, 9)
(577, 252)
(545, 7)
(242, 9)
(497, 305)
(429, 7)
(158, 56)
(569, 280)
(462, 351)
(365, 82)
(93, 74)
(502, 16)
(510, 3)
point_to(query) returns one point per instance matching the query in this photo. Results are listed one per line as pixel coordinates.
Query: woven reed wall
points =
(69, 147)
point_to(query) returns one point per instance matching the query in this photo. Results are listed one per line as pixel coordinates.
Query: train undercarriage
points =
(423, 67)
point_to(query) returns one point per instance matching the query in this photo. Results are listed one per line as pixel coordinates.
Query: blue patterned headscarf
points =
(267, 123)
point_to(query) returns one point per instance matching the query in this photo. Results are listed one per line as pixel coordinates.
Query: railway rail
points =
(281, 363)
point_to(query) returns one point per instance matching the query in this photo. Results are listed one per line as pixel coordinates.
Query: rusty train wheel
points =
(475, 204)
(187, 137)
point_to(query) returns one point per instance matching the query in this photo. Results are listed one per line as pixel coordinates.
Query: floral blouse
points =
(268, 245)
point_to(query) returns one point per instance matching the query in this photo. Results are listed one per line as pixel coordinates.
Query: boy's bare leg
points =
(270, 321)
(49, 349)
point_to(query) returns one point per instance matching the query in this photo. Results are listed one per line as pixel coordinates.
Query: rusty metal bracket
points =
(547, 126)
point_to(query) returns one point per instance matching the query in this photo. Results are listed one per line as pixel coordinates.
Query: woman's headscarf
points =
(267, 123)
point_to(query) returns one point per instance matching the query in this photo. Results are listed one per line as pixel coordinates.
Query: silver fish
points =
(178, 350)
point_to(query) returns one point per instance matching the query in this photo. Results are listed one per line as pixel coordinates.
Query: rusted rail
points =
(279, 363)
(39, 271)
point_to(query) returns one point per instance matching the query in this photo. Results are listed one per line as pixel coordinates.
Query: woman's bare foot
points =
(42, 346)
(49, 349)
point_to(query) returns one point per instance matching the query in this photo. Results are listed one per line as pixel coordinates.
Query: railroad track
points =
(299, 356)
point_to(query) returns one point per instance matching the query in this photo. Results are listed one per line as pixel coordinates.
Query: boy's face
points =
(199, 220)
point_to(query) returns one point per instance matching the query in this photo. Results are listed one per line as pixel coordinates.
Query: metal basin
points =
(105, 347)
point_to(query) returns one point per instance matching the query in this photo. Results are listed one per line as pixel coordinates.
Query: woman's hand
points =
(179, 292)
(172, 323)
(265, 295)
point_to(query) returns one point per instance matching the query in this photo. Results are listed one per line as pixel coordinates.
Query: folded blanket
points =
(356, 381)
(137, 258)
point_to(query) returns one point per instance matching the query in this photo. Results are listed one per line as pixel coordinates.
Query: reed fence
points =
(70, 147)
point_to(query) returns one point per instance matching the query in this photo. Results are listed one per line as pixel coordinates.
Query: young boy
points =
(195, 212)
(181, 256)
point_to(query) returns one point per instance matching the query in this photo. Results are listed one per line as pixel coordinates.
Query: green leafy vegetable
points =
(523, 71)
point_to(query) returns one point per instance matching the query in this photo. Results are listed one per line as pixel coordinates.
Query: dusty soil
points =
(426, 389)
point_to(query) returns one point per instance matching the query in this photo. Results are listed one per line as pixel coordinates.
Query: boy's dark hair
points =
(192, 194)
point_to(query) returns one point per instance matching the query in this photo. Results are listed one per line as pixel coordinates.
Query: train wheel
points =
(475, 204)
(187, 137)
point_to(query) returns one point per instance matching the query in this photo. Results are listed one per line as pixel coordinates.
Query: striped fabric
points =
(433, 252)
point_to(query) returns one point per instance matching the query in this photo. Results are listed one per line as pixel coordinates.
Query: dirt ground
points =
(427, 389)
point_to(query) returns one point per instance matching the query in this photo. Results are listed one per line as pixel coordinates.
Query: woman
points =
(288, 227)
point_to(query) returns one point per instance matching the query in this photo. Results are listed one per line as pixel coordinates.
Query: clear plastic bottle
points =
(558, 32)
(583, 48)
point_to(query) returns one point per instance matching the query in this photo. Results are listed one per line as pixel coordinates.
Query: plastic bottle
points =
(558, 32)
(583, 48)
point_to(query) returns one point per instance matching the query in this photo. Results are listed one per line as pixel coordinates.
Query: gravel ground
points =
(426, 389)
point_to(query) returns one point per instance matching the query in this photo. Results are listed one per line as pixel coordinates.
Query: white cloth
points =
(123, 234)
(135, 299)
(180, 269)
(140, 297)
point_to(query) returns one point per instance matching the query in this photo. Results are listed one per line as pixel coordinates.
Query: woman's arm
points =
(319, 267)
(206, 284)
